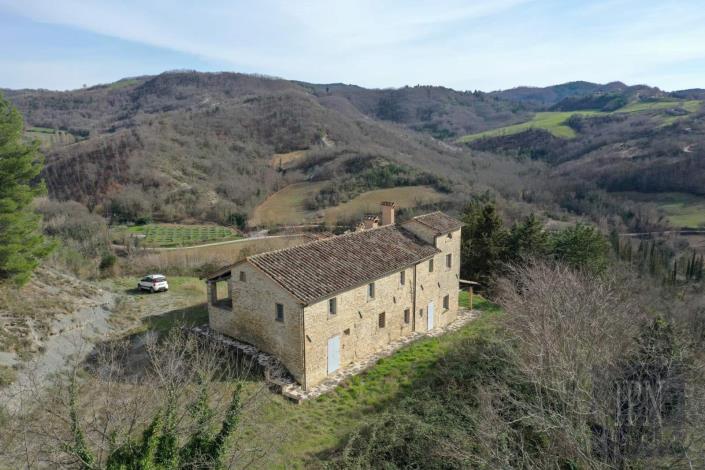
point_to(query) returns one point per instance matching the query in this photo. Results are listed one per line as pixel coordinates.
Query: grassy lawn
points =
(317, 426)
(139, 311)
(681, 209)
(554, 121)
(173, 235)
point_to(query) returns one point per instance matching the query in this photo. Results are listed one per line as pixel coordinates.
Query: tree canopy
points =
(21, 244)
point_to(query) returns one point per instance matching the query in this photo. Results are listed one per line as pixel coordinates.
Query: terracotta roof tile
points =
(319, 269)
(439, 222)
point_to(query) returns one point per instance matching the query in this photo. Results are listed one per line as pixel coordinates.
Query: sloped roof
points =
(322, 268)
(439, 222)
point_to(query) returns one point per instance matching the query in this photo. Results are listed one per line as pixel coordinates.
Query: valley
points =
(183, 173)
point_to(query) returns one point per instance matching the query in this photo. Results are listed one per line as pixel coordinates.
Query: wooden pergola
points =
(468, 286)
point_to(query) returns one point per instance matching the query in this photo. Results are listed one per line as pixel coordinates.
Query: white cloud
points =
(480, 44)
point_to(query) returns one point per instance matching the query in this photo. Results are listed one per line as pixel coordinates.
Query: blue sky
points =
(486, 45)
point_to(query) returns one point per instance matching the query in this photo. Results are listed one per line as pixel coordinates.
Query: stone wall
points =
(357, 317)
(357, 323)
(356, 320)
(253, 317)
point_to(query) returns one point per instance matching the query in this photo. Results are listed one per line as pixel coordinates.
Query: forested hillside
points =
(185, 146)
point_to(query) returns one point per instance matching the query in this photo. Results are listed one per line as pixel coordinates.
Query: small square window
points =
(407, 315)
(280, 312)
(332, 306)
(402, 277)
(243, 276)
(449, 261)
(446, 302)
(346, 331)
(430, 265)
(382, 320)
(371, 290)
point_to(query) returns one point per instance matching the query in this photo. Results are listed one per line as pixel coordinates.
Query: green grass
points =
(123, 83)
(638, 106)
(287, 206)
(43, 130)
(168, 235)
(139, 311)
(552, 121)
(682, 210)
(319, 425)
(7, 375)
(555, 121)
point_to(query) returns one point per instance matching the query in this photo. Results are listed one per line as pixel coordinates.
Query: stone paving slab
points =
(276, 374)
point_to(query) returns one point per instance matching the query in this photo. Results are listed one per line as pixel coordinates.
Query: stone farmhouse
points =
(320, 306)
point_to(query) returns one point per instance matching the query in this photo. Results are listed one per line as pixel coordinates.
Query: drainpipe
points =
(303, 343)
(413, 302)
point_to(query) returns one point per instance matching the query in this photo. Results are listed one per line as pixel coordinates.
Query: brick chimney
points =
(388, 213)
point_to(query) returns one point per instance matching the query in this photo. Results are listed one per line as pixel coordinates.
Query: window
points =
(382, 319)
(243, 276)
(371, 290)
(446, 302)
(332, 306)
(407, 315)
(346, 331)
(449, 261)
(420, 312)
(430, 265)
(280, 312)
(402, 278)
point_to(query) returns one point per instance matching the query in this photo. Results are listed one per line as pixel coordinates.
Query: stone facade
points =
(301, 339)
(252, 318)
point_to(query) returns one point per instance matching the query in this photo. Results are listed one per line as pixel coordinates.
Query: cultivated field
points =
(555, 121)
(682, 210)
(173, 235)
(49, 137)
(286, 207)
(366, 203)
(282, 160)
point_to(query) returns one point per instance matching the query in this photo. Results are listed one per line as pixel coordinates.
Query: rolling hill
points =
(188, 146)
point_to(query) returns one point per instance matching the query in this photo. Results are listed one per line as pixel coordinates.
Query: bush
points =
(107, 261)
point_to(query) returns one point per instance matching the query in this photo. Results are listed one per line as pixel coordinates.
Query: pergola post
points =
(212, 292)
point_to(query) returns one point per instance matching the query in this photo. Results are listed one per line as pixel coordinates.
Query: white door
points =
(429, 316)
(333, 354)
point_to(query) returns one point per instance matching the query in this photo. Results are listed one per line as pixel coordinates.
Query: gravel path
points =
(76, 335)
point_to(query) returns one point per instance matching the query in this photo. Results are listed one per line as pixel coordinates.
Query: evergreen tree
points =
(528, 239)
(582, 247)
(485, 243)
(21, 243)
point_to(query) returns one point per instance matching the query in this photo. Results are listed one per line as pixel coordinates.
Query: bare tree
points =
(197, 390)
